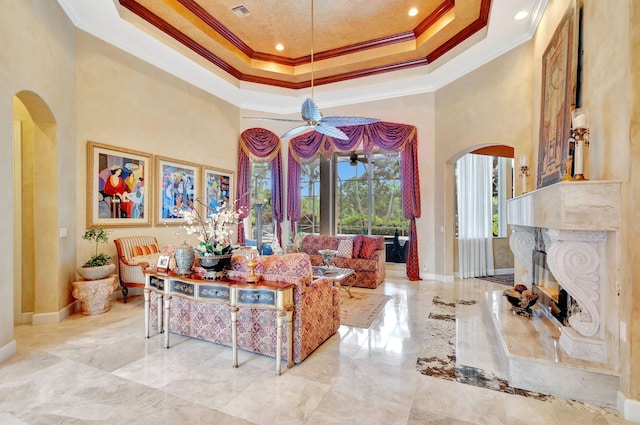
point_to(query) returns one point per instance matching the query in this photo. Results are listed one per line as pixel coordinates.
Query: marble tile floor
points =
(101, 370)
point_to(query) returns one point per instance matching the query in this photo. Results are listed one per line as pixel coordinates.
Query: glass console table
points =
(337, 274)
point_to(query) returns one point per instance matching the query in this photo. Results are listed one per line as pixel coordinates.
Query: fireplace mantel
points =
(574, 219)
(579, 205)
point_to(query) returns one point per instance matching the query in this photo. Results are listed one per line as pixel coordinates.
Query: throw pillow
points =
(357, 244)
(369, 246)
(144, 249)
(345, 248)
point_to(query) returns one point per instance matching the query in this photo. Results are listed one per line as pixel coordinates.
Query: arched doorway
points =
(35, 200)
(503, 257)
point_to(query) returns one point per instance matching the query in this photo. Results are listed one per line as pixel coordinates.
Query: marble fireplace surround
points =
(579, 222)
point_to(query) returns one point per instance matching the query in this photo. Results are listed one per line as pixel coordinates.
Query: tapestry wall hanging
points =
(558, 96)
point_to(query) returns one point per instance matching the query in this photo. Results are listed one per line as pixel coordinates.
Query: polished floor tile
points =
(100, 369)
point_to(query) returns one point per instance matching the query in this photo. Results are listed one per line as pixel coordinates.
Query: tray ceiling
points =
(350, 39)
(362, 49)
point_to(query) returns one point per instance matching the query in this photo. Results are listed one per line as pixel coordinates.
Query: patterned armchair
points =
(135, 254)
(369, 272)
(316, 313)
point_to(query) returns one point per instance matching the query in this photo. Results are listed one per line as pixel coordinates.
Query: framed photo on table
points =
(117, 186)
(163, 263)
(177, 184)
(217, 187)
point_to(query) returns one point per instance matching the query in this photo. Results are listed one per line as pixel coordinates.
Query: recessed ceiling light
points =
(521, 15)
(279, 47)
(413, 11)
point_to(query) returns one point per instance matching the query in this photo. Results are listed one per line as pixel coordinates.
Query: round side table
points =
(95, 295)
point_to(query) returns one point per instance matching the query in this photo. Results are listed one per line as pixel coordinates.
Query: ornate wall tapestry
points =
(558, 94)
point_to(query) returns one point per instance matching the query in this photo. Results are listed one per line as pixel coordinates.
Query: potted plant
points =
(99, 265)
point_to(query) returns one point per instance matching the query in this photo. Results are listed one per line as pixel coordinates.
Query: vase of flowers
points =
(214, 234)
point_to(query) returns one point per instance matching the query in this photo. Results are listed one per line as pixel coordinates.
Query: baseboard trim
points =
(8, 350)
(496, 272)
(56, 317)
(628, 408)
(438, 277)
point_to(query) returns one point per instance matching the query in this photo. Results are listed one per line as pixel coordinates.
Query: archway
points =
(500, 245)
(35, 200)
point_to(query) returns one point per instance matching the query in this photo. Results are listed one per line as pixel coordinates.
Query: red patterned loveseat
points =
(369, 271)
(316, 314)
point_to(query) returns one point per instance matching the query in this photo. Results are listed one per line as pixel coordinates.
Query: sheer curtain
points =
(475, 236)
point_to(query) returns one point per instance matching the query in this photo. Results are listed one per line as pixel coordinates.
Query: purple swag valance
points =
(387, 136)
(260, 145)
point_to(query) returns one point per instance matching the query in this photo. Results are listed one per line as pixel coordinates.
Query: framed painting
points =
(176, 188)
(217, 187)
(559, 69)
(117, 191)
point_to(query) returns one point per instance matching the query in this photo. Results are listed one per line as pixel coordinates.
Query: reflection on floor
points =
(100, 369)
(439, 359)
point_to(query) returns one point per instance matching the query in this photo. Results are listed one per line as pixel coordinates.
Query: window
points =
(502, 169)
(368, 195)
(310, 197)
(261, 191)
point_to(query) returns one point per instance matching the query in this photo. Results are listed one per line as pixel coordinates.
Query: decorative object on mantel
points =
(99, 266)
(521, 299)
(567, 170)
(580, 139)
(524, 172)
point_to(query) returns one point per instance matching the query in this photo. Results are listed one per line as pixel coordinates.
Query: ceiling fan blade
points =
(330, 130)
(295, 130)
(344, 121)
(272, 119)
(310, 111)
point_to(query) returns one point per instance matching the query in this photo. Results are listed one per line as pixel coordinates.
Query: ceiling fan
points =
(312, 119)
(353, 159)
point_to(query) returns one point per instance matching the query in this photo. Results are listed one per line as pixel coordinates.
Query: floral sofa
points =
(316, 314)
(369, 271)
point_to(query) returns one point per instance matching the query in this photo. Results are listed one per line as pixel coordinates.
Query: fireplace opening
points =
(552, 297)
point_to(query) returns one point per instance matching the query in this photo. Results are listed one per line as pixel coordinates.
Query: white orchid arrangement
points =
(214, 230)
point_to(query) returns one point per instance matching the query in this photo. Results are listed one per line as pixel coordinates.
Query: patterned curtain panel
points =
(388, 136)
(259, 144)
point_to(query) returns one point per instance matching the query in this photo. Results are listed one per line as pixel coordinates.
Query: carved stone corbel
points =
(575, 259)
(522, 243)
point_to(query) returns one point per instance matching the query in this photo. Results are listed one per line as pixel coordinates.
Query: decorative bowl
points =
(521, 302)
(328, 255)
(214, 262)
(97, 272)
